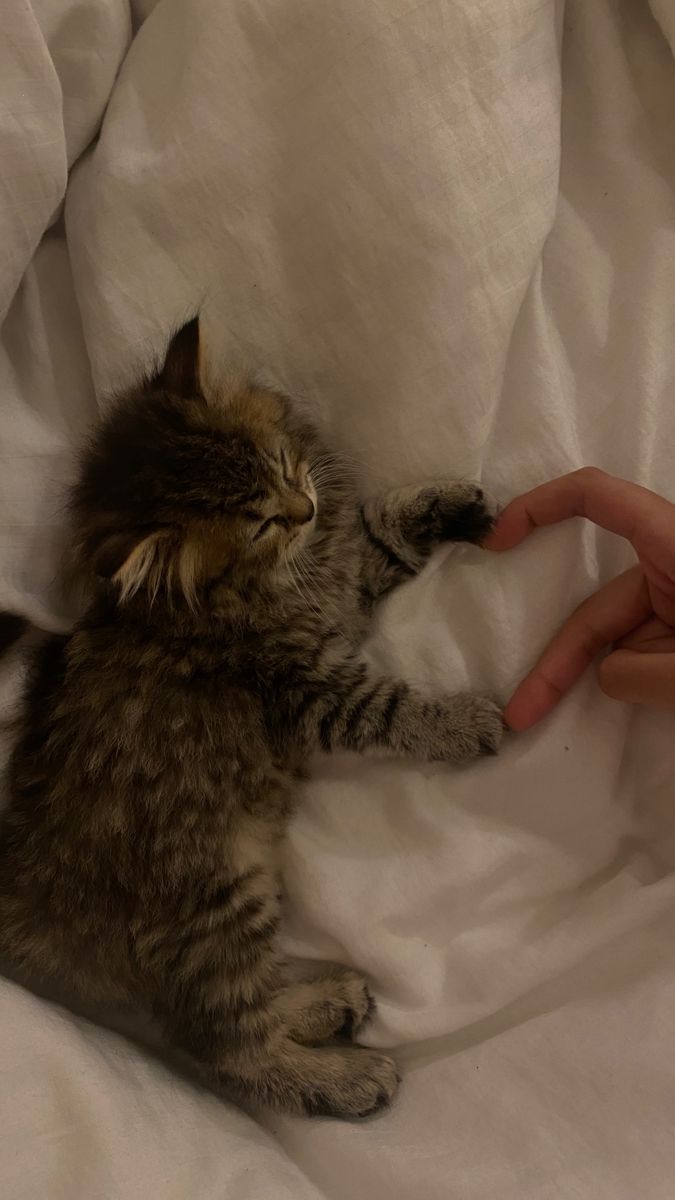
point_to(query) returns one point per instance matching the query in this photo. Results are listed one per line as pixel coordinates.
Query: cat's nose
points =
(308, 512)
(301, 509)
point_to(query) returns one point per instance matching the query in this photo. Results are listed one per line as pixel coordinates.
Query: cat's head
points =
(188, 490)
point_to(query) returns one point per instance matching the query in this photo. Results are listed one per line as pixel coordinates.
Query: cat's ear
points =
(180, 373)
(133, 561)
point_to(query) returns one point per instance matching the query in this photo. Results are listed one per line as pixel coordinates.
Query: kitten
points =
(154, 777)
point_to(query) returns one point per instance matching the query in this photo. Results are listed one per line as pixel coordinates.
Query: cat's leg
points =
(336, 1002)
(345, 704)
(216, 988)
(402, 527)
(380, 711)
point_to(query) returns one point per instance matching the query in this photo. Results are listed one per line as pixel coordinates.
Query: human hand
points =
(636, 611)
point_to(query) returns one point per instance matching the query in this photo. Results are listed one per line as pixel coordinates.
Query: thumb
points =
(639, 678)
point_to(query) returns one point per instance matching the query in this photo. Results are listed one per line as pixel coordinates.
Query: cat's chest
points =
(331, 585)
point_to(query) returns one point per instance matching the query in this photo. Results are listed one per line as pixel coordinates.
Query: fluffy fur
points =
(234, 572)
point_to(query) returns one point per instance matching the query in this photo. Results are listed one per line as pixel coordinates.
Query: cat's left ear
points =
(180, 373)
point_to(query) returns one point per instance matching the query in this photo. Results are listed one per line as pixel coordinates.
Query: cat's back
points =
(138, 771)
(120, 733)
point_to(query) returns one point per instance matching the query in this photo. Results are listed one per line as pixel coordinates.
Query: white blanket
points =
(451, 226)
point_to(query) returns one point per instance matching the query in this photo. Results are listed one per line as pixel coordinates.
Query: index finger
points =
(616, 505)
(603, 618)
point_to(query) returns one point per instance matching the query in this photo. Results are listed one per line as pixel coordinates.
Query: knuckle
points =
(590, 475)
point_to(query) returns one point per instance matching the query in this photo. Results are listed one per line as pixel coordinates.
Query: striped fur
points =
(233, 575)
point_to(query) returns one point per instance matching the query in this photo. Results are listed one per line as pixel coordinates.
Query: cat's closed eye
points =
(265, 526)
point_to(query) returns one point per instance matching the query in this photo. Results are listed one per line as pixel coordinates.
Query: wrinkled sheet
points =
(450, 226)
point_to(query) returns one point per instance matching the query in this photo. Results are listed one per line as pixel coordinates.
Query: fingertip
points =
(607, 675)
(635, 677)
(491, 541)
(511, 528)
(518, 723)
(499, 539)
(517, 717)
(531, 702)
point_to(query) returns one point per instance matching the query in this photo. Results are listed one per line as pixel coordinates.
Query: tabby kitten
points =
(154, 777)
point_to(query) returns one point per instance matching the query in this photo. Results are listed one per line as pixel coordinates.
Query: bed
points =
(450, 227)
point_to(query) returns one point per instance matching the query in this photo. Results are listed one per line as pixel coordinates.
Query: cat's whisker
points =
(348, 461)
(293, 574)
(302, 584)
(330, 460)
(303, 567)
(315, 604)
(329, 471)
(328, 480)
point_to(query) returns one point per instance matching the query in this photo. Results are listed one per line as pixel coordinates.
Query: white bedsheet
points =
(450, 225)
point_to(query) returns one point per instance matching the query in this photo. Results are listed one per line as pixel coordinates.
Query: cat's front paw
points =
(474, 727)
(460, 512)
